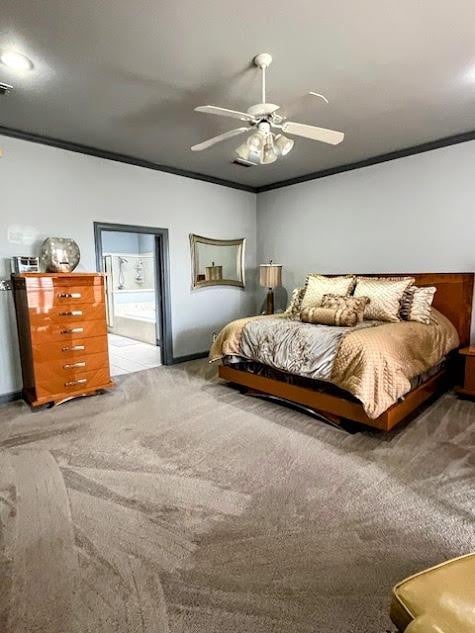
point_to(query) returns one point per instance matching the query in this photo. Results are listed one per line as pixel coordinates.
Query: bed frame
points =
(453, 299)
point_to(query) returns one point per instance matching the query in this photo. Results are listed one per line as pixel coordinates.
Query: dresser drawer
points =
(56, 383)
(78, 348)
(67, 367)
(48, 281)
(46, 300)
(65, 314)
(53, 332)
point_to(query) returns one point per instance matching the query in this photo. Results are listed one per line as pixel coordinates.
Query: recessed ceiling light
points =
(16, 61)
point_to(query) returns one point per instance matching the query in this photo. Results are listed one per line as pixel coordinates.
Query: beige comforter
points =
(374, 364)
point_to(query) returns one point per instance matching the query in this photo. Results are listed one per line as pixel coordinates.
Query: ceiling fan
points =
(264, 146)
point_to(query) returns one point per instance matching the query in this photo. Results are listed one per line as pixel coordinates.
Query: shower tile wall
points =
(138, 271)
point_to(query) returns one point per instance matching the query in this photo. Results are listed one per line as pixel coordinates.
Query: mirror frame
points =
(240, 243)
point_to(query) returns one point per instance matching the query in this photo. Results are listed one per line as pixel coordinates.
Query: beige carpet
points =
(175, 504)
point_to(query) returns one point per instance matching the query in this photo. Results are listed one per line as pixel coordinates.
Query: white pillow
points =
(317, 286)
(384, 295)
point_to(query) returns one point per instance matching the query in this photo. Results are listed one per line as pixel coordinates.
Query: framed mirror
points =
(217, 262)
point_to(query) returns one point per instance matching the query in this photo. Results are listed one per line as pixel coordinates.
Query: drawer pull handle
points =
(79, 381)
(70, 295)
(73, 330)
(81, 363)
(74, 348)
(71, 313)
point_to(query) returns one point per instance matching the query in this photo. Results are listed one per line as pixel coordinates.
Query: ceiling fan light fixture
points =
(243, 151)
(269, 155)
(256, 142)
(248, 153)
(260, 149)
(283, 144)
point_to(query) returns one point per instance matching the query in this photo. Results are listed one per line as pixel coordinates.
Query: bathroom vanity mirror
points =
(217, 262)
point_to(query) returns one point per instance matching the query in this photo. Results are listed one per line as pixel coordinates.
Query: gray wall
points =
(415, 214)
(46, 191)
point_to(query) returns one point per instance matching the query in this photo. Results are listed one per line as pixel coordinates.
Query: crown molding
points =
(323, 173)
(367, 162)
(121, 158)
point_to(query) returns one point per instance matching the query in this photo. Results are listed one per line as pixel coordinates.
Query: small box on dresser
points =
(62, 332)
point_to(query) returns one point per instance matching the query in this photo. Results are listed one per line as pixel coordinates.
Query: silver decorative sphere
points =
(59, 255)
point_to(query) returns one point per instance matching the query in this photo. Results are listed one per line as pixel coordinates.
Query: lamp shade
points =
(283, 144)
(270, 275)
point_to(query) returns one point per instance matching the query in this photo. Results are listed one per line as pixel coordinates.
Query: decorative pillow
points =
(318, 285)
(416, 304)
(351, 304)
(293, 309)
(329, 316)
(384, 294)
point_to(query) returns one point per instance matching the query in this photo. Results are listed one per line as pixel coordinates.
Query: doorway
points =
(135, 261)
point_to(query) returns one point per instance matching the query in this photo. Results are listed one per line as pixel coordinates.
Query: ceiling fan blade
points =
(284, 110)
(313, 132)
(234, 114)
(217, 139)
(320, 96)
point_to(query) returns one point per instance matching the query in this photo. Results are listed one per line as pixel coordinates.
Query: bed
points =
(428, 352)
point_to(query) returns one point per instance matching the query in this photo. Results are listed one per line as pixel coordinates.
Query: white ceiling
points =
(125, 76)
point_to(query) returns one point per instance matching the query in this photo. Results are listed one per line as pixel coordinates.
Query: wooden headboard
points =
(453, 298)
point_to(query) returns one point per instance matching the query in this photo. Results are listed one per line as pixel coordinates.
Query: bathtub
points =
(139, 311)
(135, 320)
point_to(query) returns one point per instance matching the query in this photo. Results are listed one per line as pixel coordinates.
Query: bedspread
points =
(375, 364)
(305, 349)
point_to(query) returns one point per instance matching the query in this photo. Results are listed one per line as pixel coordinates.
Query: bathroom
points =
(128, 259)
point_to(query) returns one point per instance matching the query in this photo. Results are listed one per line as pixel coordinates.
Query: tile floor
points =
(127, 355)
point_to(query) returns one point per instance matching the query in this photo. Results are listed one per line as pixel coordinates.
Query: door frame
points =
(162, 277)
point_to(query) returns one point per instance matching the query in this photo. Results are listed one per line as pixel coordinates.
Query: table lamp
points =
(270, 278)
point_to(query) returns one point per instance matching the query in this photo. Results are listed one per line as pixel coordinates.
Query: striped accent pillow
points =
(293, 309)
(416, 304)
(329, 316)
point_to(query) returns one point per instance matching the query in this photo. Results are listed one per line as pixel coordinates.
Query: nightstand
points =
(468, 388)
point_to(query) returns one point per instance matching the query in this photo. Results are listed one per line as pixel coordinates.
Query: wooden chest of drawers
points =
(63, 335)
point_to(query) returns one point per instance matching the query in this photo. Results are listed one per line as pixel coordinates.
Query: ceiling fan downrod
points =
(263, 61)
